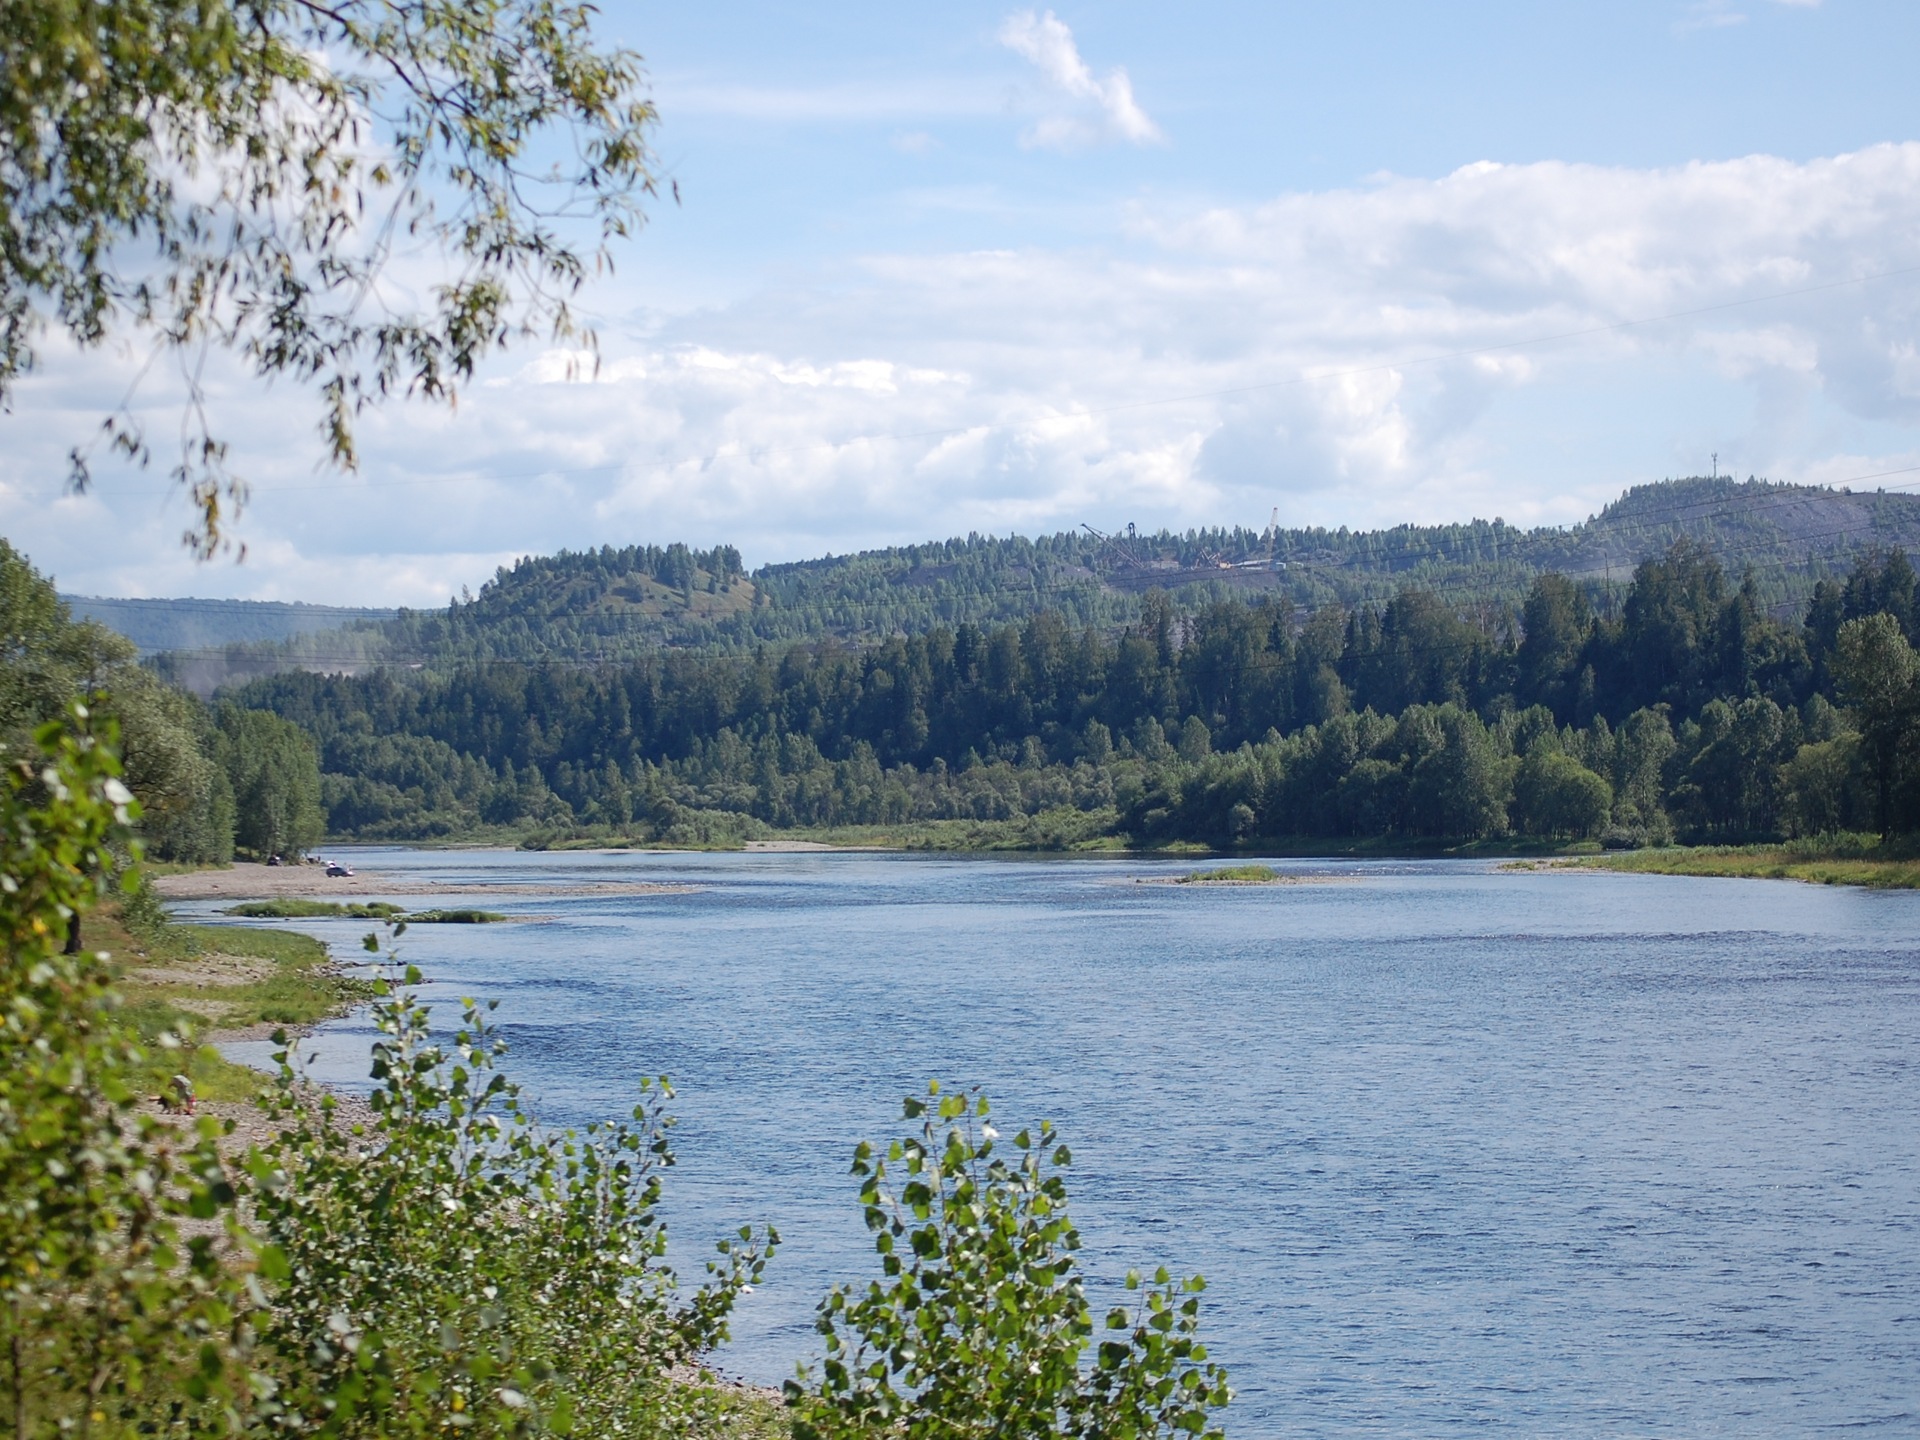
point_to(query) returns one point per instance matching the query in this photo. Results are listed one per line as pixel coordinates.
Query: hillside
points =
(195, 624)
(609, 604)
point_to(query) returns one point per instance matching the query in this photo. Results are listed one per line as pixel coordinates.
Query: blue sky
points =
(992, 267)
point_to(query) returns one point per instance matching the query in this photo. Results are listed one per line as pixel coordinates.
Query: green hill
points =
(610, 604)
(191, 623)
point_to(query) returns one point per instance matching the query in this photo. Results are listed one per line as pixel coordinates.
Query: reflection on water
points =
(1457, 1149)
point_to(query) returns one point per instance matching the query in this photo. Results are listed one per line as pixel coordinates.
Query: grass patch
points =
(253, 942)
(1232, 875)
(189, 979)
(289, 908)
(151, 867)
(177, 983)
(1838, 860)
(740, 1414)
(218, 1079)
(296, 909)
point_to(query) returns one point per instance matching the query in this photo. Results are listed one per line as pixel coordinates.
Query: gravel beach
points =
(243, 881)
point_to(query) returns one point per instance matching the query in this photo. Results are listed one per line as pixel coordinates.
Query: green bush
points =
(980, 1324)
(445, 1265)
(449, 1267)
(115, 1320)
(293, 908)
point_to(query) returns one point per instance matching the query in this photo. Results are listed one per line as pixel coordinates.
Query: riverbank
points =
(1875, 871)
(1063, 831)
(243, 881)
(215, 984)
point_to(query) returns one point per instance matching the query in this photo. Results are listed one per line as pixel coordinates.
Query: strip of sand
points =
(274, 882)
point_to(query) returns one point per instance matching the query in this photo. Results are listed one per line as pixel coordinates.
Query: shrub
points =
(449, 1267)
(981, 1323)
(1232, 875)
(113, 1320)
(295, 908)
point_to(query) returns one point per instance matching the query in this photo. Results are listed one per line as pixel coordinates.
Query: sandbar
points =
(244, 881)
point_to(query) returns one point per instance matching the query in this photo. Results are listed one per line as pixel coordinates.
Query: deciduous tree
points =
(237, 174)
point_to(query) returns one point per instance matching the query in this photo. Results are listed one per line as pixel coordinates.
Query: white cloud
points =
(1709, 15)
(1359, 356)
(1719, 14)
(1080, 109)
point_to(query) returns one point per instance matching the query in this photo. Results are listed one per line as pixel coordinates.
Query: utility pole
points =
(1716, 464)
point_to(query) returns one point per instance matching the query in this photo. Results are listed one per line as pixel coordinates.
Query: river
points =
(1458, 1149)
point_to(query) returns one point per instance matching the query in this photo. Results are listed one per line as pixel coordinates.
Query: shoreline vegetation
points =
(1840, 859)
(299, 909)
(1686, 709)
(296, 1272)
(211, 985)
(214, 984)
(1867, 865)
(1685, 712)
(1235, 875)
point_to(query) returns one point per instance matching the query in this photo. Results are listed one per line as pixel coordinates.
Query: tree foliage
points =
(452, 1267)
(48, 661)
(618, 603)
(1877, 673)
(121, 1306)
(981, 1325)
(273, 769)
(239, 173)
(1230, 722)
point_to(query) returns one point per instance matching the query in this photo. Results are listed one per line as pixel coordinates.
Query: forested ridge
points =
(192, 623)
(619, 602)
(1687, 700)
(1689, 710)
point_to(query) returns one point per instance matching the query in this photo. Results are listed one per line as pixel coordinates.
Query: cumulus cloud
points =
(1080, 108)
(1361, 356)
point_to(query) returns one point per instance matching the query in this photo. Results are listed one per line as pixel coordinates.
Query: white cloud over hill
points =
(1361, 356)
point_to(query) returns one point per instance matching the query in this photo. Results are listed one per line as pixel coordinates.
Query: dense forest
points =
(208, 778)
(616, 603)
(1689, 711)
(1684, 701)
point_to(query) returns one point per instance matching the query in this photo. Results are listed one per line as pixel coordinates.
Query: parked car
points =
(336, 869)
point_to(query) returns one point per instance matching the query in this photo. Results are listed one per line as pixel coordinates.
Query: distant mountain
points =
(193, 624)
(600, 605)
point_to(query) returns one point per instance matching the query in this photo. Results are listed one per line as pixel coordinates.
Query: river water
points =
(1457, 1149)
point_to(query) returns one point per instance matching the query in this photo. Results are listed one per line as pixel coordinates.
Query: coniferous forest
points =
(1687, 700)
(1691, 712)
